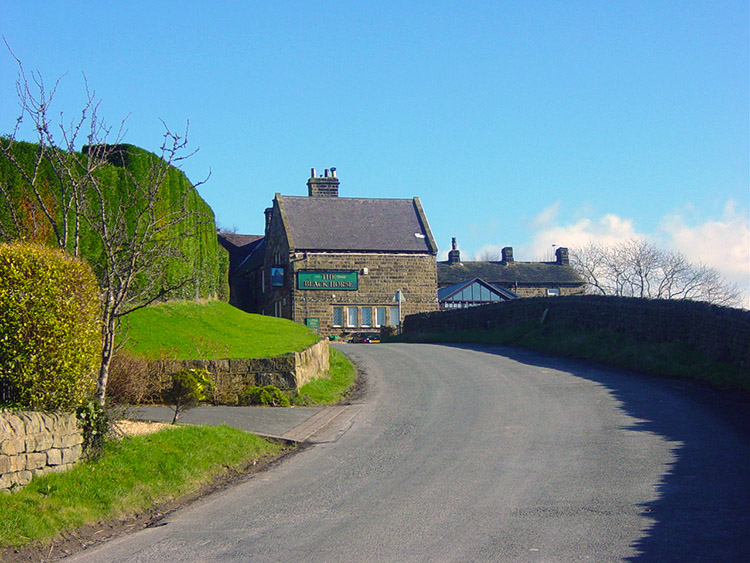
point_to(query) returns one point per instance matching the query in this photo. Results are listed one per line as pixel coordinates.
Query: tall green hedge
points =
(204, 264)
(49, 326)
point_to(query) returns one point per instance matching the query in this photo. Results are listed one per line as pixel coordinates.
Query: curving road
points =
(488, 454)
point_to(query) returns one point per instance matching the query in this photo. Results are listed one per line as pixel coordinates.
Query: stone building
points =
(336, 263)
(466, 284)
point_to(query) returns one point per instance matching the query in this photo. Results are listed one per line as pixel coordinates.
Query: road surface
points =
(487, 454)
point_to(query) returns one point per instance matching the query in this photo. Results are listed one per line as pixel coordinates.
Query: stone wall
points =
(722, 333)
(35, 443)
(230, 377)
(414, 274)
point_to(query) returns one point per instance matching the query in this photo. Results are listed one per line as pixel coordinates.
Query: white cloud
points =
(607, 230)
(547, 216)
(723, 244)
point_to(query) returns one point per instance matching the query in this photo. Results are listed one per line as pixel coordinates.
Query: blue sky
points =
(521, 124)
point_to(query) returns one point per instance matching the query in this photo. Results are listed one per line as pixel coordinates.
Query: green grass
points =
(609, 348)
(132, 476)
(332, 389)
(186, 330)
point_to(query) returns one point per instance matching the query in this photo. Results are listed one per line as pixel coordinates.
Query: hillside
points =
(185, 330)
(203, 262)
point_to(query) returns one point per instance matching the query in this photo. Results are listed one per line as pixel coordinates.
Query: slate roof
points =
(238, 246)
(356, 224)
(506, 273)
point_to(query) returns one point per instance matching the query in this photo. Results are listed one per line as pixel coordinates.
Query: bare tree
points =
(53, 175)
(138, 228)
(489, 255)
(637, 268)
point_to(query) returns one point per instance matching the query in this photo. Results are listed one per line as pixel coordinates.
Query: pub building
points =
(336, 263)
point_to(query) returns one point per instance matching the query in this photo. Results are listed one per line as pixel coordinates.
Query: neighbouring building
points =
(467, 284)
(337, 263)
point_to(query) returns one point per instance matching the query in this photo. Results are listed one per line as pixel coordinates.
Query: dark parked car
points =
(364, 338)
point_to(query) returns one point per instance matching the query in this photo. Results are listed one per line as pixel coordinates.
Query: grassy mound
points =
(186, 330)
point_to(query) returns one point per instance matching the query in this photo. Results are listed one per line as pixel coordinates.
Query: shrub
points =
(270, 395)
(188, 388)
(131, 381)
(94, 423)
(49, 326)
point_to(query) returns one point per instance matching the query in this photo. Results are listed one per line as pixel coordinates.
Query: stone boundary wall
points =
(230, 377)
(35, 443)
(722, 333)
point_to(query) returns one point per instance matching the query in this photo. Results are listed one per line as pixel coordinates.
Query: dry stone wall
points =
(230, 377)
(35, 443)
(722, 333)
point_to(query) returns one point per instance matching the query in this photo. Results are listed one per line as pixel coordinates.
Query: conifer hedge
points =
(204, 262)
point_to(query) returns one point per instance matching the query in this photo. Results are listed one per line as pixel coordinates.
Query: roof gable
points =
(356, 224)
(487, 292)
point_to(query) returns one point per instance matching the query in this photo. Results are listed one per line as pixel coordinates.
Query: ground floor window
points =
(338, 316)
(366, 316)
(352, 317)
(380, 316)
(277, 309)
(395, 320)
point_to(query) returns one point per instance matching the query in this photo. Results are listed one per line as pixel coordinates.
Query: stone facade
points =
(319, 237)
(35, 443)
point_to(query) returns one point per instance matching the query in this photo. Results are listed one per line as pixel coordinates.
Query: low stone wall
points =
(722, 333)
(35, 443)
(230, 377)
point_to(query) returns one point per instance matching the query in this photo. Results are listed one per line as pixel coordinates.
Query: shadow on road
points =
(702, 511)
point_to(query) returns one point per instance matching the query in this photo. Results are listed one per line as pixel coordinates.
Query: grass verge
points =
(134, 474)
(332, 389)
(186, 330)
(609, 348)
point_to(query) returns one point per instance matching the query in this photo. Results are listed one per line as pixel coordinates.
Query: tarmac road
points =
(488, 454)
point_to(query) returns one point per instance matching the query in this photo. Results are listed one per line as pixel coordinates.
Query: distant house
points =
(336, 263)
(467, 284)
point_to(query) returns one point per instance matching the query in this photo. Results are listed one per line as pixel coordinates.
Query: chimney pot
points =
(454, 256)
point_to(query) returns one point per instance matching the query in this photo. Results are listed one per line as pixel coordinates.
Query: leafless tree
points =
(138, 228)
(489, 255)
(637, 268)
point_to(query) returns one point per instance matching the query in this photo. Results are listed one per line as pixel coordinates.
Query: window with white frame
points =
(380, 316)
(395, 320)
(338, 316)
(352, 317)
(367, 316)
(553, 292)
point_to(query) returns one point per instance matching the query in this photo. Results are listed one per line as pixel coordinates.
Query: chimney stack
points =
(562, 256)
(507, 254)
(323, 186)
(454, 256)
(268, 212)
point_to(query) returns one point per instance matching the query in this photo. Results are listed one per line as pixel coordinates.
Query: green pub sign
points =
(339, 281)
